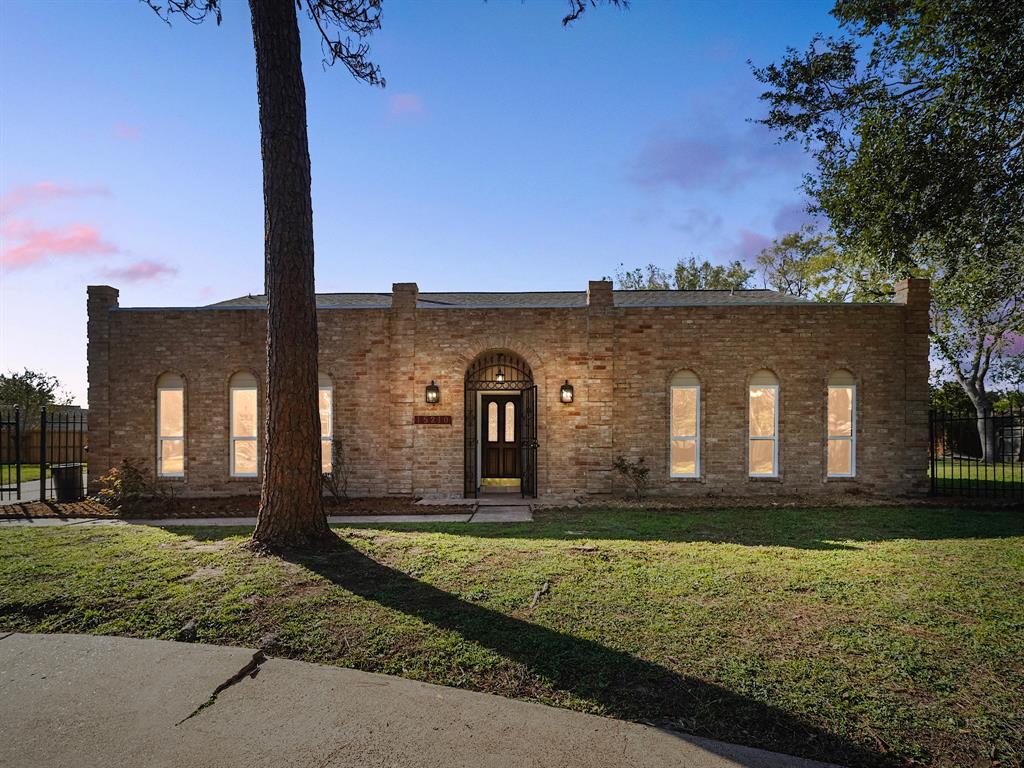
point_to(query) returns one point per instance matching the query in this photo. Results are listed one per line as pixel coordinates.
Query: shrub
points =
(129, 482)
(336, 481)
(636, 473)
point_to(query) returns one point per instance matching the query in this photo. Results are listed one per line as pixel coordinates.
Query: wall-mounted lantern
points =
(566, 392)
(433, 393)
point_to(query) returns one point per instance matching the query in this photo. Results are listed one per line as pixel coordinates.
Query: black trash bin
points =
(67, 481)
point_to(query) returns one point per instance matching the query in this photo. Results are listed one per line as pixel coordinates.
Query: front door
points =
(499, 428)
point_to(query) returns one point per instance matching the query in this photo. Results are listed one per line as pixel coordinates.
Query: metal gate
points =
(500, 371)
(42, 454)
(528, 443)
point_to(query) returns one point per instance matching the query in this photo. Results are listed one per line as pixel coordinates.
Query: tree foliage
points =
(688, 275)
(31, 390)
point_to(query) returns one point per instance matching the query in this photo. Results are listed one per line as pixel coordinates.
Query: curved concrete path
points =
(84, 701)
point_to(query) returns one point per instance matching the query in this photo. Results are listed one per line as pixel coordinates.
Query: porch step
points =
(500, 514)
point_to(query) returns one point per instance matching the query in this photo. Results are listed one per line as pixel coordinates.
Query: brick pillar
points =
(597, 455)
(402, 388)
(914, 293)
(101, 299)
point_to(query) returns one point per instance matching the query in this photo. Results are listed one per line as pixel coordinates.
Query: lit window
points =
(842, 421)
(510, 422)
(170, 423)
(244, 425)
(684, 446)
(763, 443)
(492, 422)
(324, 401)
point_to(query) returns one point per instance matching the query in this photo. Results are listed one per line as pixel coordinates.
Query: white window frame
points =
(774, 438)
(244, 438)
(160, 438)
(852, 438)
(674, 438)
(329, 437)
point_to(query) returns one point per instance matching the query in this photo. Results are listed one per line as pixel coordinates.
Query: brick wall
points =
(619, 360)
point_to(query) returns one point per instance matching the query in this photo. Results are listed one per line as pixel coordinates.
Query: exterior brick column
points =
(101, 299)
(914, 293)
(401, 385)
(597, 457)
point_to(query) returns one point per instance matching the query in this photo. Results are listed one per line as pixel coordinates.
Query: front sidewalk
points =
(82, 701)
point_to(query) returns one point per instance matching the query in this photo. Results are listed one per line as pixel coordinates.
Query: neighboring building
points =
(745, 393)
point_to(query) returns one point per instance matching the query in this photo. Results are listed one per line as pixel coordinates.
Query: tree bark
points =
(291, 506)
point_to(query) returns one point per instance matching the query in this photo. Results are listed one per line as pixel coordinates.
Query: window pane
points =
(840, 411)
(325, 412)
(762, 411)
(492, 422)
(172, 411)
(840, 457)
(684, 457)
(684, 412)
(510, 422)
(325, 456)
(172, 457)
(243, 413)
(762, 457)
(245, 457)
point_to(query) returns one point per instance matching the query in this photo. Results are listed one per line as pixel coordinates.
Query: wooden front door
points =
(499, 435)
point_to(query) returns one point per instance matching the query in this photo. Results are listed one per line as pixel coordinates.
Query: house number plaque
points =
(432, 419)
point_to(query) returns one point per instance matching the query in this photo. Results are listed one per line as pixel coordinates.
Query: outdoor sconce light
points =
(566, 393)
(433, 393)
(500, 375)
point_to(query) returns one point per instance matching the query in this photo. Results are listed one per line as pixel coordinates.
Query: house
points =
(743, 393)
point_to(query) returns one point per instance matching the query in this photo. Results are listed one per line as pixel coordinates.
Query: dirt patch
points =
(28, 510)
(204, 572)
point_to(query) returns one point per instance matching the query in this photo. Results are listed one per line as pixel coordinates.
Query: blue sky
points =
(506, 153)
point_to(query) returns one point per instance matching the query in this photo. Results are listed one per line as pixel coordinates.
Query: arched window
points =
(325, 401)
(842, 425)
(684, 442)
(170, 426)
(763, 442)
(244, 420)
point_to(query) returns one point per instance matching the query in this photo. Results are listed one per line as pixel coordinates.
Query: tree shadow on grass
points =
(827, 528)
(625, 687)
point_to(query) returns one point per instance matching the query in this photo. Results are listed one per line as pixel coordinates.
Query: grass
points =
(8, 473)
(865, 636)
(973, 474)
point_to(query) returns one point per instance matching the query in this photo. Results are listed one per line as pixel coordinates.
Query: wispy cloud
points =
(713, 159)
(406, 104)
(746, 247)
(141, 271)
(38, 245)
(127, 132)
(45, 192)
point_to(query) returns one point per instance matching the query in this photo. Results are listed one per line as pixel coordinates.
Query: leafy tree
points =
(291, 509)
(688, 275)
(31, 390)
(914, 114)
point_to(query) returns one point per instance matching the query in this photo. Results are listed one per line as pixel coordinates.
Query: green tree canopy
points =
(688, 275)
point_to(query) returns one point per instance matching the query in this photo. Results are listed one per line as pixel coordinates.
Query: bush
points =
(336, 481)
(129, 482)
(636, 473)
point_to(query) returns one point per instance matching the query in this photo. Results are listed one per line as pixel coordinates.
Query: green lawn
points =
(8, 473)
(970, 474)
(861, 636)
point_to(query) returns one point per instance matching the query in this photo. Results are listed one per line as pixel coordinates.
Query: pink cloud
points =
(127, 132)
(140, 271)
(746, 247)
(36, 246)
(44, 192)
(406, 104)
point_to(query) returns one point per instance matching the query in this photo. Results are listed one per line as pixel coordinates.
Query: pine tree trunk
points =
(291, 508)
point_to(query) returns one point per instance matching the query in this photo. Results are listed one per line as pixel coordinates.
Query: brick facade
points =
(619, 359)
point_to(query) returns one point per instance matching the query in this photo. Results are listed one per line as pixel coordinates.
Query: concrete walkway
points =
(491, 514)
(82, 701)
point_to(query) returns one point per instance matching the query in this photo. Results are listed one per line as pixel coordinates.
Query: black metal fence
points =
(42, 454)
(981, 456)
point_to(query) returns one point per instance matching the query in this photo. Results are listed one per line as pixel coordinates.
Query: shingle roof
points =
(535, 299)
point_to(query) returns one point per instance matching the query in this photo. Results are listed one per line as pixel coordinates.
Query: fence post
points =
(931, 452)
(42, 454)
(17, 450)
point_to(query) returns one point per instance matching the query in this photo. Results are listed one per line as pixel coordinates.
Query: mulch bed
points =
(222, 506)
